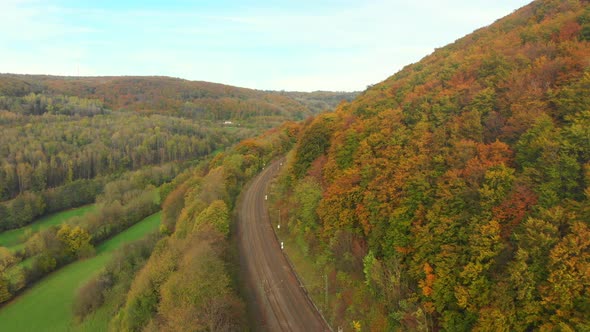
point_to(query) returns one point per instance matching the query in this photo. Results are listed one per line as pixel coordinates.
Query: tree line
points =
(39, 104)
(50, 151)
(122, 203)
(30, 205)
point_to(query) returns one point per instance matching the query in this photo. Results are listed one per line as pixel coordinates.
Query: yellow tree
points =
(6, 260)
(567, 294)
(76, 241)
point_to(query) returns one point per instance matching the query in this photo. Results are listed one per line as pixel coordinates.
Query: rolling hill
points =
(174, 96)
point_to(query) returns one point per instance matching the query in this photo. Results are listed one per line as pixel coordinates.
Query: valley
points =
(454, 195)
(47, 306)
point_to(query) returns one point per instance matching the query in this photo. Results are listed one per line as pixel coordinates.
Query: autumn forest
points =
(455, 194)
(452, 196)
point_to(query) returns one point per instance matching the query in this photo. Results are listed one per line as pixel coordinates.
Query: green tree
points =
(313, 143)
(476, 286)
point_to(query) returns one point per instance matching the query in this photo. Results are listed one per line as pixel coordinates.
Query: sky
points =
(302, 45)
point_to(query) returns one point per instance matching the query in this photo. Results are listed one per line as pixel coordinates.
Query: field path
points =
(279, 302)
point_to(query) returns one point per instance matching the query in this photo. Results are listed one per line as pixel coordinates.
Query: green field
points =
(13, 239)
(47, 306)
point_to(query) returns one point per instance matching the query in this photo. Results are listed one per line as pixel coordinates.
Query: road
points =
(280, 304)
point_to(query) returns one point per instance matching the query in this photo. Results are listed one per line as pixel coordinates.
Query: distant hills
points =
(173, 96)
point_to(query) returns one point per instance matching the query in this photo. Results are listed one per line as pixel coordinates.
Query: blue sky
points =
(300, 45)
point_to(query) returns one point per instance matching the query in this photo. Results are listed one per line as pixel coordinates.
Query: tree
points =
(567, 293)
(216, 215)
(6, 259)
(198, 296)
(550, 163)
(76, 241)
(498, 182)
(5, 294)
(307, 195)
(171, 208)
(43, 264)
(314, 142)
(476, 285)
(24, 173)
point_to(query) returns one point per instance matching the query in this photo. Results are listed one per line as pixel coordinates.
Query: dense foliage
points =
(49, 151)
(320, 101)
(112, 284)
(62, 136)
(29, 205)
(187, 283)
(455, 195)
(58, 152)
(164, 95)
(123, 203)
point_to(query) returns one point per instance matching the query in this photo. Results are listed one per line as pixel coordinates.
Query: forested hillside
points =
(455, 195)
(170, 96)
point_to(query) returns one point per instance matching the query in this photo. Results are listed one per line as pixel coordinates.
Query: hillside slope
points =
(455, 194)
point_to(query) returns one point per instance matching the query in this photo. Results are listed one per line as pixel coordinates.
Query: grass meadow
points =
(14, 238)
(47, 306)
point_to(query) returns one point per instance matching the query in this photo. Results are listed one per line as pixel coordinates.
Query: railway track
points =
(280, 303)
